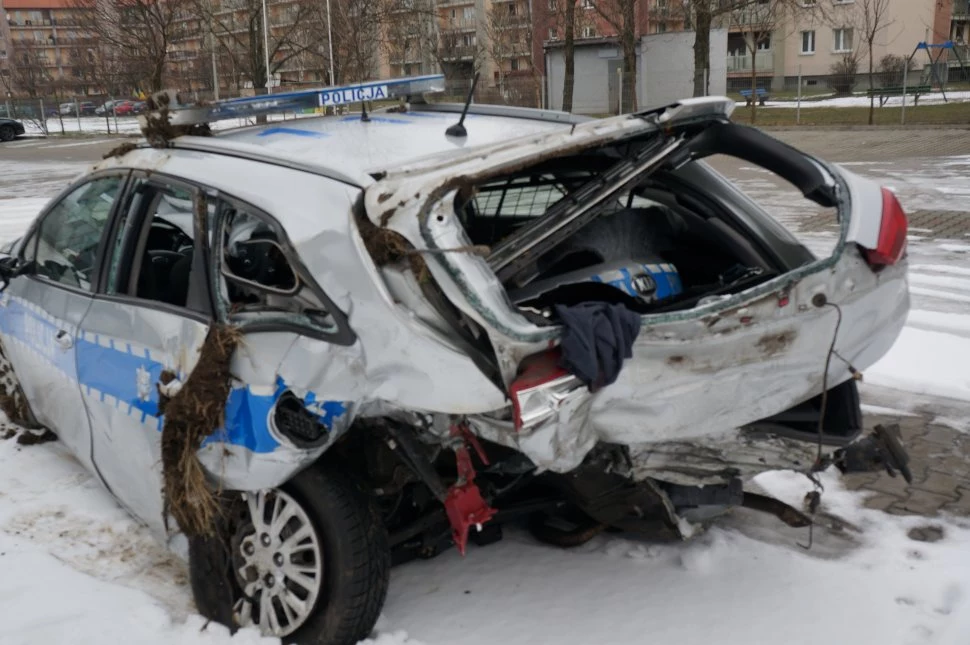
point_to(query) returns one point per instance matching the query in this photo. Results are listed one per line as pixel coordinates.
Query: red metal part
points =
(464, 504)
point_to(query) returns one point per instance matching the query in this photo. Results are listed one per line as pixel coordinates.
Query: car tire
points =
(355, 562)
(7, 133)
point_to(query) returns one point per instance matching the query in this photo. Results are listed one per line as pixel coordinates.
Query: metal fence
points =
(592, 94)
(55, 115)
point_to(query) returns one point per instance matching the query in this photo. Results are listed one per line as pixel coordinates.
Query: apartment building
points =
(594, 25)
(505, 40)
(46, 48)
(6, 84)
(959, 31)
(807, 39)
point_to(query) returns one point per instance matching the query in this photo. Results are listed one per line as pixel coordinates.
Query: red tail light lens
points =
(541, 389)
(892, 234)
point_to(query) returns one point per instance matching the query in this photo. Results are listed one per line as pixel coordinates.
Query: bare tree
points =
(622, 16)
(873, 20)
(704, 13)
(141, 31)
(410, 34)
(563, 18)
(237, 27)
(357, 28)
(509, 31)
(758, 21)
(30, 75)
(569, 54)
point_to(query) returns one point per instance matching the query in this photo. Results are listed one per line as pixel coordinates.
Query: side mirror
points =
(10, 268)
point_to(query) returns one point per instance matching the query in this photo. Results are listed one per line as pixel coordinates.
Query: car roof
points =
(353, 150)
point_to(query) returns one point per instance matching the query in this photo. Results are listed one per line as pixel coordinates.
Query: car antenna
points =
(458, 129)
(363, 111)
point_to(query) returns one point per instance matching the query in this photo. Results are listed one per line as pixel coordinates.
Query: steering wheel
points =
(163, 261)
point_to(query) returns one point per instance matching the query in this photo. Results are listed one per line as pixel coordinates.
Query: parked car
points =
(124, 108)
(10, 129)
(105, 107)
(87, 108)
(573, 321)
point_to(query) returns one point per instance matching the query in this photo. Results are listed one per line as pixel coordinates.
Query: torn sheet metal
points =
(716, 459)
(727, 362)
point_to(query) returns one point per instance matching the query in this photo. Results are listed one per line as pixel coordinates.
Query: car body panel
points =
(394, 364)
(664, 392)
(765, 347)
(123, 348)
(32, 315)
(387, 141)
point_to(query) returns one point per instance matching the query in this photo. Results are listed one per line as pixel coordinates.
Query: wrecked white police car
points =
(304, 350)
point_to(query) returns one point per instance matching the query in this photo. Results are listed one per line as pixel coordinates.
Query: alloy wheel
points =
(277, 558)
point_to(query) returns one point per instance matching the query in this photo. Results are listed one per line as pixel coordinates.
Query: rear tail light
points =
(542, 390)
(892, 234)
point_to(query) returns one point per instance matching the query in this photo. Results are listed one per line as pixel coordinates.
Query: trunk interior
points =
(661, 245)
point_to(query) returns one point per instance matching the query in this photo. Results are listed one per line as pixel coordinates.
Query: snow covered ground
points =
(933, 98)
(75, 569)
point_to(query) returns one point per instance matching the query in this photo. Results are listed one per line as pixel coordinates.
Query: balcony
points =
(459, 24)
(756, 17)
(764, 63)
(454, 3)
(961, 10)
(513, 22)
(463, 52)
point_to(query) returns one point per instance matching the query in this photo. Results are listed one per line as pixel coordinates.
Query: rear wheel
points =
(7, 133)
(308, 562)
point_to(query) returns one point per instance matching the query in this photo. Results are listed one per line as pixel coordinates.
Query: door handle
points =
(64, 339)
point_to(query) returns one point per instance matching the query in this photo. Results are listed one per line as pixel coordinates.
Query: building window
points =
(588, 4)
(511, 8)
(843, 39)
(808, 42)
(589, 32)
(553, 33)
(552, 5)
(661, 27)
(514, 64)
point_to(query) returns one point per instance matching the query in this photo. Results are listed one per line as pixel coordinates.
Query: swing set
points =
(935, 52)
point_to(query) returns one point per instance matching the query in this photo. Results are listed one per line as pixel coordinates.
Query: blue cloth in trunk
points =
(596, 340)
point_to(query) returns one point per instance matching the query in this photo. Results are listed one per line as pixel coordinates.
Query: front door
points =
(143, 322)
(42, 310)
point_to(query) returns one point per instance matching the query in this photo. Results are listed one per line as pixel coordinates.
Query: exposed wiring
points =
(814, 498)
(856, 374)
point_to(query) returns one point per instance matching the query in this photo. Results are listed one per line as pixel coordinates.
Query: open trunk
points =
(736, 318)
(661, 246)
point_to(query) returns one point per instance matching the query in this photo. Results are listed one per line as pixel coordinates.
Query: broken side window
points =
(259, 273)
(70, 233)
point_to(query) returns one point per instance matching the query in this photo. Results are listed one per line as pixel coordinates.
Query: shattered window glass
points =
(69, 235)
(252, 255)
(258, 275)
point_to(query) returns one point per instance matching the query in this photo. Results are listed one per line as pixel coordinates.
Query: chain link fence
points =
(59, 115)
(918, 95)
